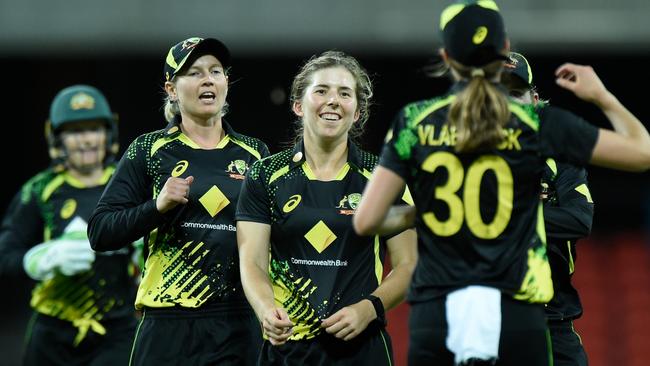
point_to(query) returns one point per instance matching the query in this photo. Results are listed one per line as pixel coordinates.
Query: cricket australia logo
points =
(191, 43)
(348, 204)
(82, 101)
(237, 169)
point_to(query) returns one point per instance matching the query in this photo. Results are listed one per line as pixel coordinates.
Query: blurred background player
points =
(83, 313)
(568, 214)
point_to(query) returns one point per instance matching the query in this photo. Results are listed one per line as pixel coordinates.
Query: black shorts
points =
(567, 346)
(50, 341)
(197, 337)
(523, 340)
(371, 347)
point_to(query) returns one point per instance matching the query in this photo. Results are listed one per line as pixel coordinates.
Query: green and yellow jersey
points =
(568, 215)
(479, 216)
(318, 264)
(46, 207)
(192, 259)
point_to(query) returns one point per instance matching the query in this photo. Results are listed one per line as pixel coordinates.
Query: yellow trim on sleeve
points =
(584, 190)
(432, 108)
(379, 267)
(406, 197)
(551, 164)
(278, 173)
(52, 186)
(250, 149)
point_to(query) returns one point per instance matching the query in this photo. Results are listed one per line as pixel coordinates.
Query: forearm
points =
(403, 253)
(398, 218)
(112, 228)
(257, 288)
(623, 121)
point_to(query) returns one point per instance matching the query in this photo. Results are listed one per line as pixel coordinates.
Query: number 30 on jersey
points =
(468, 209)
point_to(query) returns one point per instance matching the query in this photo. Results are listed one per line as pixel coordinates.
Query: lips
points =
(207, 96)
(329, 116)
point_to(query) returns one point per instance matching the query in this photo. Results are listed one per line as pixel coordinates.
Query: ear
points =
(357, 114)
(535, 98)
(297, 109)
(506, 45)
(170, 88)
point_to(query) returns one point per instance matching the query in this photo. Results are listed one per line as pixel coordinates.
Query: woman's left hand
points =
(350, 321)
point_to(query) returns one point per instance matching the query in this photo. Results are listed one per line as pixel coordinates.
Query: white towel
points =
(474, 321)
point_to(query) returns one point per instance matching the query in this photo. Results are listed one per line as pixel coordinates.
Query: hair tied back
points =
(478, 72)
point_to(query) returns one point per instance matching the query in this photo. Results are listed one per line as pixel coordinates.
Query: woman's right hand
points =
(175, 191)
(277, 326)
(583, 82)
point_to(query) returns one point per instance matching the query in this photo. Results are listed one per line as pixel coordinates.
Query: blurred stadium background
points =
(119, 46)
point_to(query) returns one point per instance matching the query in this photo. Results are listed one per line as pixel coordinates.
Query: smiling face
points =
(329, 105)
(200, 90)
(84, 143)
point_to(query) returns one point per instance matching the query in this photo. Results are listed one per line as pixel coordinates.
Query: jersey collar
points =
(173, 128)
(298, 156)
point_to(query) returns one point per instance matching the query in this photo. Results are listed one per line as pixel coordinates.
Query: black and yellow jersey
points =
(192, 256)
(568, 215)
(479, 216)
(318, 264)
(46, 205)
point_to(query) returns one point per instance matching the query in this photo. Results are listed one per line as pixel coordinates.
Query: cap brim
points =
(208, 46)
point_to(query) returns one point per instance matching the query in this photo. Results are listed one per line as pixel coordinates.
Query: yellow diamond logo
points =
(214, 201)
(320, 236)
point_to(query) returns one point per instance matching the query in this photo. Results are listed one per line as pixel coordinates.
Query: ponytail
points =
(170, 109)
(480, 111)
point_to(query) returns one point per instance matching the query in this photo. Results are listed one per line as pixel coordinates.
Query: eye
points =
(217, 71)
(319, 91)
(346, 94)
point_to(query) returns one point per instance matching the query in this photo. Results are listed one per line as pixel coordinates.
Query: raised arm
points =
(625, 148)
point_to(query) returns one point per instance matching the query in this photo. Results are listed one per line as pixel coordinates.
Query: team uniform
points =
(195, 311)
(568, 214)
(479, 222)
(318, 264)
(81, 319)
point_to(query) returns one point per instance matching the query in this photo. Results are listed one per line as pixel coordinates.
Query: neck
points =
(206, 134)
(90, 178)
(326, 158)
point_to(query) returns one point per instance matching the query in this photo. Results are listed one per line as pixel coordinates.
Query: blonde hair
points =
(170, 109)
(480, 110)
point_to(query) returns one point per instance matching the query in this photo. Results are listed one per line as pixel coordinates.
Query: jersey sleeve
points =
(566, 137)
(22, 228)
(254, 203)
(570, 215)
(398, 146)
(263, 150)
(126, 211)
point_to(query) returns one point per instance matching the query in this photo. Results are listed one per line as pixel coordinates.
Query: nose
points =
(85, 138)
(333, 99)
(209, 80)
